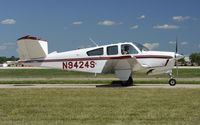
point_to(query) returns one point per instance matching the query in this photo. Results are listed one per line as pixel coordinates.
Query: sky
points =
(69, 24)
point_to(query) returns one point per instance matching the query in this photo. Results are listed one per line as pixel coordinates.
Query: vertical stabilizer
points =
(30, 47)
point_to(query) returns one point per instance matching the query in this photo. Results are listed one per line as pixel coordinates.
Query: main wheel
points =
(172, 82)
(129, 82)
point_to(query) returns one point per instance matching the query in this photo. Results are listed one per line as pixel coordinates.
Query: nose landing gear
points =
(172, 81)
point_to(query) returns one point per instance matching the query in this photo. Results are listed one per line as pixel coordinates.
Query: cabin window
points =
(95, 52)
(128, 49)
(112, 50)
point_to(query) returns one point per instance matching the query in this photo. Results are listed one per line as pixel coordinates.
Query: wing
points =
(122, 67)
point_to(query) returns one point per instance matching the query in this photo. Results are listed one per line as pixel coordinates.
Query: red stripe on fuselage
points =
(153, 56)
(97, 58)
(78, 59)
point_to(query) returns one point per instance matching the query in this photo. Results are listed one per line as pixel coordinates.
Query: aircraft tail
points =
(30, 47)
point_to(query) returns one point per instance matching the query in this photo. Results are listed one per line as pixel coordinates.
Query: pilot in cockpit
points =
(125, 50)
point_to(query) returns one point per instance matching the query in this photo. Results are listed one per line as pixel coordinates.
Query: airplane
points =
(122, 59)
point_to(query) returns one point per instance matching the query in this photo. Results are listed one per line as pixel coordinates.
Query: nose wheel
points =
(172, 81)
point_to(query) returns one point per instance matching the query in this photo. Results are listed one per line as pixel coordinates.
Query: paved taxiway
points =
(35, 86)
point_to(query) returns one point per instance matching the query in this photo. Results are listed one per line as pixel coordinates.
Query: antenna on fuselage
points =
(93, 41)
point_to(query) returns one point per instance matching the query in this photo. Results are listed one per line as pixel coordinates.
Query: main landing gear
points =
(129, 82)
(172, 81)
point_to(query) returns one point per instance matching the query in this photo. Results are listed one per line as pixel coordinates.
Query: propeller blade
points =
(176, 61)
(176, 45)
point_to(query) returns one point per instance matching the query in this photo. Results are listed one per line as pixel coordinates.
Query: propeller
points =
(177, 56)
(176, 60)
(176, 46)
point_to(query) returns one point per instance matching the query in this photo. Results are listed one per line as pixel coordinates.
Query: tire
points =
(129, 82)
(124, 83)
(172, 82)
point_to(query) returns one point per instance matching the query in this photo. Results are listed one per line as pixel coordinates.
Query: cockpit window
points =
(95, 52)
(112, 50)
(141, 47)
(128, 49)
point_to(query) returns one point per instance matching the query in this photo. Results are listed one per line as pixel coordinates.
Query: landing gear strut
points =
(172, 81)
(129, 82)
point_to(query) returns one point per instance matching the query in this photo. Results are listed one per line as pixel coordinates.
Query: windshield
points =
(141, 47)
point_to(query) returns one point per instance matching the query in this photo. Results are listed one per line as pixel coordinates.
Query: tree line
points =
(3, 59)
(195, 58)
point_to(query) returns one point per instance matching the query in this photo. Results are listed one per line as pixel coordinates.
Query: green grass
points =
(118, 106)
(48, 74)
(182, 73)
(52, 73)
(57, 82)
(109, 106)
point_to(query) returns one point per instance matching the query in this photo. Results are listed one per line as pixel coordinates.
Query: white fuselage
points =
(108, 59)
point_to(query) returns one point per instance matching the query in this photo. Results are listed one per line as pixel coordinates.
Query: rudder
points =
(30, 47)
